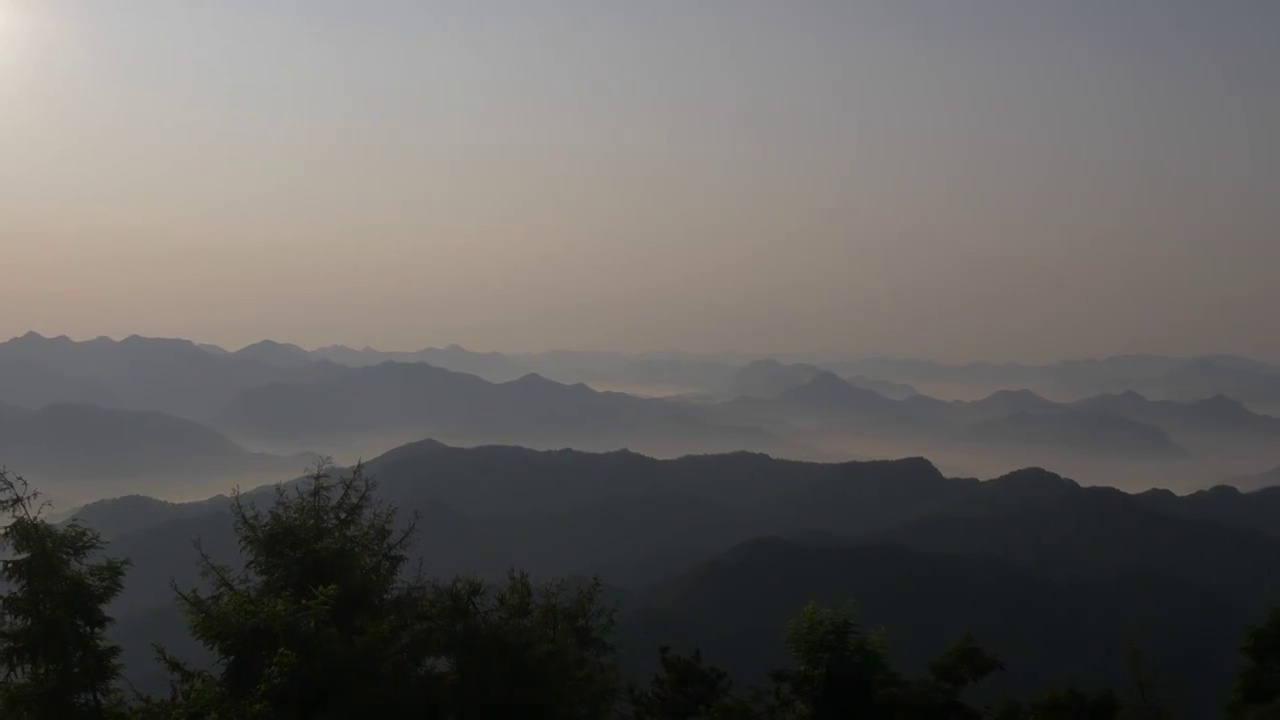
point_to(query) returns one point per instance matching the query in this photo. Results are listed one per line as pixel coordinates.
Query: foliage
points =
(1066, 704)
(523, 645)
(56, 660)
(688, 689)
(318, 623)
(840, 672)
(327, 619)
(1257, 691)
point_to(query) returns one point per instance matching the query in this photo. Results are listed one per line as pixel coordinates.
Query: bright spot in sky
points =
(10, 25)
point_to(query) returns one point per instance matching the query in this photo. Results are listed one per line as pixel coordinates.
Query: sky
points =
(954, 179)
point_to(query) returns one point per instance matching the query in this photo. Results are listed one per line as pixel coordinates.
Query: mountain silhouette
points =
(1048, 572)
(74, 442)
(420, 399)
(277, 354)
(1097, 433)
(163, 375)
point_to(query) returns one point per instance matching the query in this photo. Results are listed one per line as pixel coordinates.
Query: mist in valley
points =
(654, 360)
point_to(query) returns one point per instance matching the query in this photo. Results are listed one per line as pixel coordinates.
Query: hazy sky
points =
(947, 178)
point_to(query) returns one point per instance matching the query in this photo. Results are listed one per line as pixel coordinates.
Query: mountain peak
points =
(1221, 402)
(1016, 398)
(828, 389)
(534, 380)
(1036, 478)
(829, 379)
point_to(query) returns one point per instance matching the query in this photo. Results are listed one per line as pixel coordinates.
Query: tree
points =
(960, 666)
(544, 648)
(326, 620)
(1147, 697)
(56, 659)
(320, 622)
(1066, 704)
(1257, 689)
(687, 689)
(839, 671)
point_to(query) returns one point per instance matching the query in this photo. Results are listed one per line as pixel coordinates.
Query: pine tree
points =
(320, 623)
(57, 661)
(325, 620)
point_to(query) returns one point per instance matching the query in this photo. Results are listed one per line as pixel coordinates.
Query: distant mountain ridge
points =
(1161, 377)
(424, 400)
(84, 442)
(1261, 481)
(771, 378)
(1124, 424)
(1252, 382)
(172, 376)
(272, 391)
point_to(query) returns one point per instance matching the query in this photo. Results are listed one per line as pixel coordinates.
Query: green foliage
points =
(841, 672)
(326, 621)
(687, 689)
(57, 662)
(1257, 691)
(318, 623)
(523, 645)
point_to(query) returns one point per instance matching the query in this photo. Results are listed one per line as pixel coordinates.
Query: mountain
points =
(1257, 384)
(718, 551)
(420, 399)
(1012, 419)
(1129, 424)
(492, 366)
(1003, 403)
(771, 378)
(719, 500)
(1224, 504)
(1219, 416)
(74, 442)
(132, 513)
(1100, 534)
(1254, 383)
(1097, 433)
(1269, 479)
(891, 390)
(662, 372)
(734, 608)
(277, 354)
(176, 377)
(826, 390)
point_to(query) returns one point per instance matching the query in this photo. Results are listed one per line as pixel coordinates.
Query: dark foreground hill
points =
(1056, 576)
(1047, 631)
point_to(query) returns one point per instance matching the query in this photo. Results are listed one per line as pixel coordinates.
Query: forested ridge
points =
(327, 616)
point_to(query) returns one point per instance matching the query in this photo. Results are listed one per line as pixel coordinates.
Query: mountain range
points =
(282, 399)
(77, 440)
(1126, 424)
(176, 377)
(1256, 384)
(718, 551)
